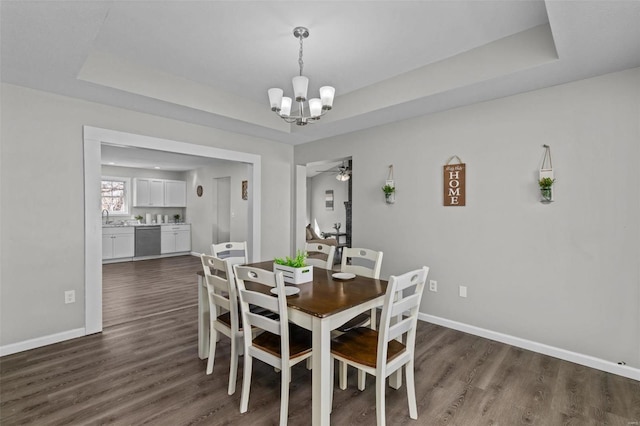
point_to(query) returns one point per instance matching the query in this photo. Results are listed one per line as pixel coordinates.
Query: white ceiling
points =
(211, 62)
(127, 156)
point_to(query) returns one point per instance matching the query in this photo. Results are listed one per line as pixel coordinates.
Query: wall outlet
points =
(433, 285)
(463, 291)
(70, 296)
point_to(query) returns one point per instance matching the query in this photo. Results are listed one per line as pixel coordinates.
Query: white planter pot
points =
(295, 275)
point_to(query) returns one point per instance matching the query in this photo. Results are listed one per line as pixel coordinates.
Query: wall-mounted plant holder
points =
(389, 188)
(546, 179)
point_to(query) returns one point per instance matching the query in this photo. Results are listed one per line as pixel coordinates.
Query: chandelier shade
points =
(316, 107)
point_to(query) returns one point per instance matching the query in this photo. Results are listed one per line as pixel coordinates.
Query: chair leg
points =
(362, 379)
(411, 390)
(374, 318)
(213, 338)
(380, 411)
(333, 381)
(233, 368)
(246, 383)
(342, 372)
(284, 395)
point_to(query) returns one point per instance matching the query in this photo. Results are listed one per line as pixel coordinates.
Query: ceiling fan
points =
(344, 172)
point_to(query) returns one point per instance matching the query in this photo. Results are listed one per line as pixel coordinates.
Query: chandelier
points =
(317, 107)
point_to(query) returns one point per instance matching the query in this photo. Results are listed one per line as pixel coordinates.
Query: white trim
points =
(578, 358)
(25, 345)
(93, 138)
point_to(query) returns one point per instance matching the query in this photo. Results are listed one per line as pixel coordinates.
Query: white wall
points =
(565, 274)
(42, 205)
(201, 212)
(317, 186)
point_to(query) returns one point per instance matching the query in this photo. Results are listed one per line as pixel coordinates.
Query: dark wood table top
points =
(326, 295)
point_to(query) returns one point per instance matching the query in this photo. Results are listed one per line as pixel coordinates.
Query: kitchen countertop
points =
(127, 225)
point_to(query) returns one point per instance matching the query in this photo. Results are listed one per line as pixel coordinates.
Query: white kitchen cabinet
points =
(175, 193)
(175, 239)
(148, 192)
(159, 193)
(117, 242)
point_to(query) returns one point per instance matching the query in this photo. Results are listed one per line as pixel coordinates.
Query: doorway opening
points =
(93, 138)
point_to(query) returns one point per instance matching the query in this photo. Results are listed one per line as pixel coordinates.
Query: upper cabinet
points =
(175, 193)
(159, 193)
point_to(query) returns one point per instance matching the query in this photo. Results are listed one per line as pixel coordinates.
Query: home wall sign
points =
(454, 183)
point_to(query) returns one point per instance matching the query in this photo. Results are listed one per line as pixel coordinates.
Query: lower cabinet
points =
(117, 243)
(175, 239)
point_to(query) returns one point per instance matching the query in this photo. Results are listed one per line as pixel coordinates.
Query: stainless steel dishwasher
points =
(147, 241)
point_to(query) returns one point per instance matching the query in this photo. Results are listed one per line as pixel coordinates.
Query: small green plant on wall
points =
(389, 193)
(546, 183)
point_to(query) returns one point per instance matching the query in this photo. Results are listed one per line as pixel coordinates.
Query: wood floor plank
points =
(144, 369)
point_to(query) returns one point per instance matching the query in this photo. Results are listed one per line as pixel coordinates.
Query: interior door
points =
(222, 209)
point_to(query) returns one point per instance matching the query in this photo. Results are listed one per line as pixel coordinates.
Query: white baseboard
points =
(41, 341)
(582, 359)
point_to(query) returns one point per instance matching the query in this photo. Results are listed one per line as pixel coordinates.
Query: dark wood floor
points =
(144, 369)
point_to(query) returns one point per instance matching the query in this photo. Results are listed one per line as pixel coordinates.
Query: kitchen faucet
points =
(103, 211)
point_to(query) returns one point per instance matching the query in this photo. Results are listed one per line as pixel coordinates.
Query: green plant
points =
(388, 189)
(297, 262)
(138, 217)
(546, 183)
(176, 217)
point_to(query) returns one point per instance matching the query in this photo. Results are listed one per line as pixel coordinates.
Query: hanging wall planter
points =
(546, 179)
(389, 188)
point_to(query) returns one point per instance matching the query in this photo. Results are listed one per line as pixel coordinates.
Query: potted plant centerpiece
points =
(545, 189)
(176, 218)
(139, 219)
(389, 193)
(294, 270)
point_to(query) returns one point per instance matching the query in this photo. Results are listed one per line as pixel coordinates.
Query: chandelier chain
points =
(300, 62)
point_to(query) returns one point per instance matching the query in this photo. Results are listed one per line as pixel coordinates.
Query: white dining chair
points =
(381, 353)
(316, 253)
(366, 263)
(234, 252)
(223, 313)
(281, 345)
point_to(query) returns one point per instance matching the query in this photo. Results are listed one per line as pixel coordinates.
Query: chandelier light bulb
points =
(275, 98)
(326, 94)
(285, 108)
(315, 107)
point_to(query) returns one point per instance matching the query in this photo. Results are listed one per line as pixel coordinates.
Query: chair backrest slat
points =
(234, 252)
(264, 323)
(400, 328)
(320, 255)
(262, 300)
(405, 304)
(364, 262)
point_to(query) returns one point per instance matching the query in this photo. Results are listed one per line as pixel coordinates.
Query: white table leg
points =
(203, 319)
(322, 383)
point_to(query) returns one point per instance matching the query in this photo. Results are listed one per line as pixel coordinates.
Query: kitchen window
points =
(115, 194)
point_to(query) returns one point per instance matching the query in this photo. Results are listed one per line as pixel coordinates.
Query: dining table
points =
(322, 305)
